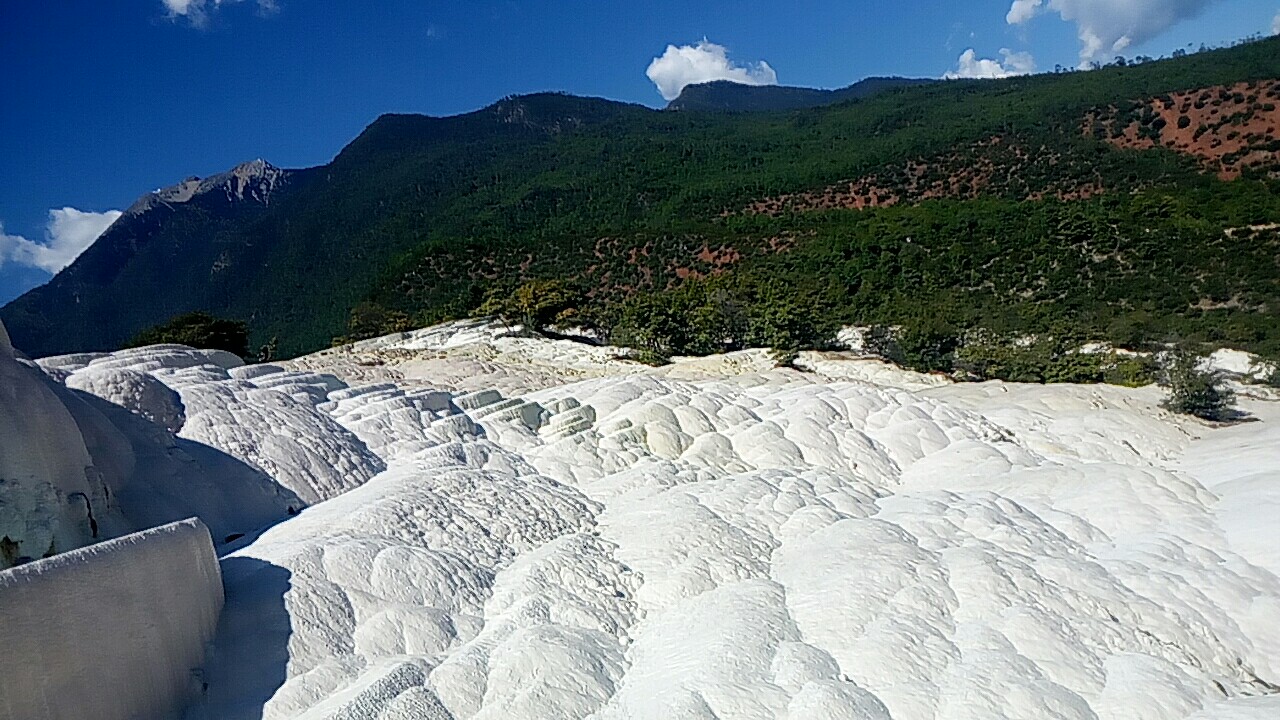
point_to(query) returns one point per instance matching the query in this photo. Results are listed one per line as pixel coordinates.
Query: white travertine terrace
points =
(501, 527)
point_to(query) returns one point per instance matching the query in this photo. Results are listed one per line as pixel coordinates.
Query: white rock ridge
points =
(115, 631)
(503, 527)
(96, 457)
(49, 484)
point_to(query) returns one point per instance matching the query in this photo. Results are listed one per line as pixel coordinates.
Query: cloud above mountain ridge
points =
(197, 12)
(679, 67)
(970, 66)
(68, 233)
(1110, 26)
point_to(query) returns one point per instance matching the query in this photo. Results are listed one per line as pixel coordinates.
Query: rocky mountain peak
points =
(253, 181)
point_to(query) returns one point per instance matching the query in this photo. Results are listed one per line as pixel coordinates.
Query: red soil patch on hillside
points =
(1231, 129)
(986, 166)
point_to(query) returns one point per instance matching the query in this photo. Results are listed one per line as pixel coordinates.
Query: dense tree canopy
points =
(198, 330)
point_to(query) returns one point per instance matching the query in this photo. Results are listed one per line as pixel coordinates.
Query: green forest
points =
(1041, 224)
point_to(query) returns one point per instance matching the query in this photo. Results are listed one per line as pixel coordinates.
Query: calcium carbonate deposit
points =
(452, 523)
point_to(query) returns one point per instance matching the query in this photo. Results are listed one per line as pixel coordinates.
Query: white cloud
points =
(68, 233)
(704, 62)
(1275, 25)
(1110, 26)
(1023, 10)
(973, 67)
(197, 11)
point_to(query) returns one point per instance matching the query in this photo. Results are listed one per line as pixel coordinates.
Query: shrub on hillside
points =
(879, 340)
(651, 358)
(689, 320)
(779, 320)
(1132, 371)
(927, 345)
(370, 320)
(535, 305)
(267, 351)
(1050, 358)
(1194, 390)
(984, 356)
(651, 325)
(703, 317)
(1053, 357)
(198, 330)
(1075, 367)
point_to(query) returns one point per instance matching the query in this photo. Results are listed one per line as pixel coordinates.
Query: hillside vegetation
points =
(1017, 206)
(728, 96)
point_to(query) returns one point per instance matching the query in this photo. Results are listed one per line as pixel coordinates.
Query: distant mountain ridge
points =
(729, 96)
(1057, 197)
(177, 249)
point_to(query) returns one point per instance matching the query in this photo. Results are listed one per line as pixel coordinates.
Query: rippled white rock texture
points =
(465, 525)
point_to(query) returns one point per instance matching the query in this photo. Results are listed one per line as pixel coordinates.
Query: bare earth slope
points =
(521, 528)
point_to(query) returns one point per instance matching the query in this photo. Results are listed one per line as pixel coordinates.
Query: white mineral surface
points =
(453, 523)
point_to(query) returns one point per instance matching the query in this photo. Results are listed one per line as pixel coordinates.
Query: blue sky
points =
(103, 101)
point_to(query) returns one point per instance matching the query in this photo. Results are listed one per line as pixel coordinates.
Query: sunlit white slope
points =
(722, 540)
(503, 527)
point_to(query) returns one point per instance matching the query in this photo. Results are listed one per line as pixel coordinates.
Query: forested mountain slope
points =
(1079, 198)
(729, 96)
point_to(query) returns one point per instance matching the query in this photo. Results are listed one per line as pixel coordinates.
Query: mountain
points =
(729, 96)
(176, 249)
(1129, 203)
(254, 182)
(289, 251)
